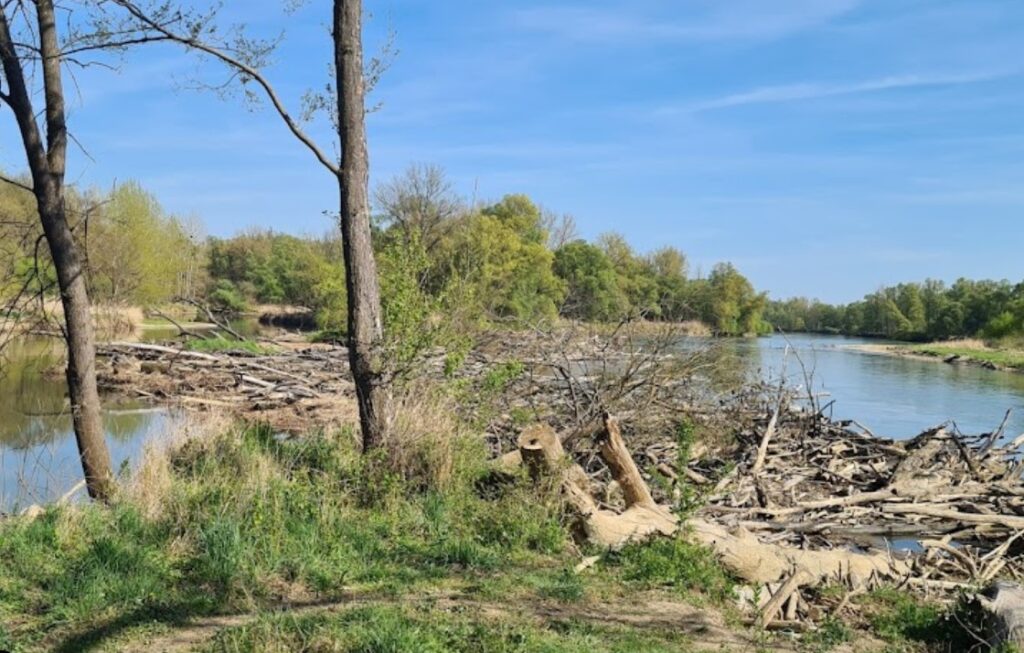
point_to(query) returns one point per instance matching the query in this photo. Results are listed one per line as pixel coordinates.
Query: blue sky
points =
(824, 146)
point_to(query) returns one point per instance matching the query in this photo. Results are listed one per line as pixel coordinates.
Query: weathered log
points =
(757, 562)
(541, 451)
(944, 512)
(1003, 603)
(624, 470)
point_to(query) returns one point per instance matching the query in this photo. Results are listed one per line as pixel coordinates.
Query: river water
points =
(894, 397)
(38, 454)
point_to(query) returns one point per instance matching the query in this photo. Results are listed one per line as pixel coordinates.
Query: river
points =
(895, 397)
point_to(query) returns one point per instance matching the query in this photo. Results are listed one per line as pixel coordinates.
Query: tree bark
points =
(47, 165)
(365, 328)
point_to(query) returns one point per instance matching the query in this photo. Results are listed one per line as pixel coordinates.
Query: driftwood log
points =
(1003, 603)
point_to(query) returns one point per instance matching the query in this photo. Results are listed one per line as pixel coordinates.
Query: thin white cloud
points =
(815, 90)
(702, 20)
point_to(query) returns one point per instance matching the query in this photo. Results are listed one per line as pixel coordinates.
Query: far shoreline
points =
(970, 352)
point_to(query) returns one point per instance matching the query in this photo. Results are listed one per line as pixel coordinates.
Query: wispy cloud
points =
(705, 20)
(816, 90)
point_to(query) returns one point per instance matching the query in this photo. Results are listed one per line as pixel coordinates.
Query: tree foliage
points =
(440, 261)
(914, 311)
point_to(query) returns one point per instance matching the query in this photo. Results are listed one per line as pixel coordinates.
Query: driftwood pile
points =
(822, 484)
(941, 513)
(810, 503)
(293, 390)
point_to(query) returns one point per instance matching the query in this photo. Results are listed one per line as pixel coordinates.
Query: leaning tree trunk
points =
(47, 164)
(365, 328)
(81, 349)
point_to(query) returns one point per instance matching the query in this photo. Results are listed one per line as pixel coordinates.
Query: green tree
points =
(637, 279)
(733, 306)
(502, 254)
(593, 291)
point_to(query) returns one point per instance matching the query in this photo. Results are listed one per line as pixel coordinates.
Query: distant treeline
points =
(508, 261)
(913, 311)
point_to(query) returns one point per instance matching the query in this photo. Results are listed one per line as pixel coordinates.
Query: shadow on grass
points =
(197, 617)
(176, 615)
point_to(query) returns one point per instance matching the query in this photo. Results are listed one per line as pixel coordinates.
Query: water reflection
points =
(38, 454)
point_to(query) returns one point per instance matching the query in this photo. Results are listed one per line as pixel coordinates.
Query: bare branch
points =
(248, 72)
(15, 183)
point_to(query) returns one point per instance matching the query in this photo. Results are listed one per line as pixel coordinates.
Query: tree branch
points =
(15, 183)
(239, 65)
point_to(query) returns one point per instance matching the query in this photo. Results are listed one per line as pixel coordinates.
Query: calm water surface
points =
(38, 455)
(895, 397)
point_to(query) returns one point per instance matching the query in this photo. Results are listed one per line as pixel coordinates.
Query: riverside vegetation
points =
(235, 537)
(247, 536)
(509, 260)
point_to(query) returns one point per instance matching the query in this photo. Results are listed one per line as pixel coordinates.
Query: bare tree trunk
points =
(47, 164)
(365, 329)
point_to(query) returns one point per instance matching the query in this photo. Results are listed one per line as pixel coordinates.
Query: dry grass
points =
(111, 321)
(970, 344)
(427, 441)
(150, 484)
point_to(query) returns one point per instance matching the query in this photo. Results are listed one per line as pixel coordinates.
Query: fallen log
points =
(743, 554)
(1009, 521)
(1003, 602)
(541, 451)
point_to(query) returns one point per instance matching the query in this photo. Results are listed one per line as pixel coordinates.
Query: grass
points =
(391, 629)
(1011, 357)
(220, 344)
(689, 570)
(244, 520)
(908, 624)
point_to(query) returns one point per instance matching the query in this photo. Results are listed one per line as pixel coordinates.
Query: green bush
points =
(227, 298)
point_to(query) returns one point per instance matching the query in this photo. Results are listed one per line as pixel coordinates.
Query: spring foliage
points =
(508, 261)
(915, 311)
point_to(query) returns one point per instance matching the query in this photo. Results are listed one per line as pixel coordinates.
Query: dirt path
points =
(707, 628)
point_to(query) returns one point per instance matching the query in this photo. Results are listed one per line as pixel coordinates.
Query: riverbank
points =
(237, 540)
(282, 537)
(959, 352)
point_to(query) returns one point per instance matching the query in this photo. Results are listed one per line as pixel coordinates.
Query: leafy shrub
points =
(225, 297)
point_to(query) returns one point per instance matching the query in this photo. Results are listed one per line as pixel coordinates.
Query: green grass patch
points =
(247, 520)
(221, 344)
(688, 569)
(831, 633)
(329, 336)
(908, 623)
(1012, 358)
(390, 629)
